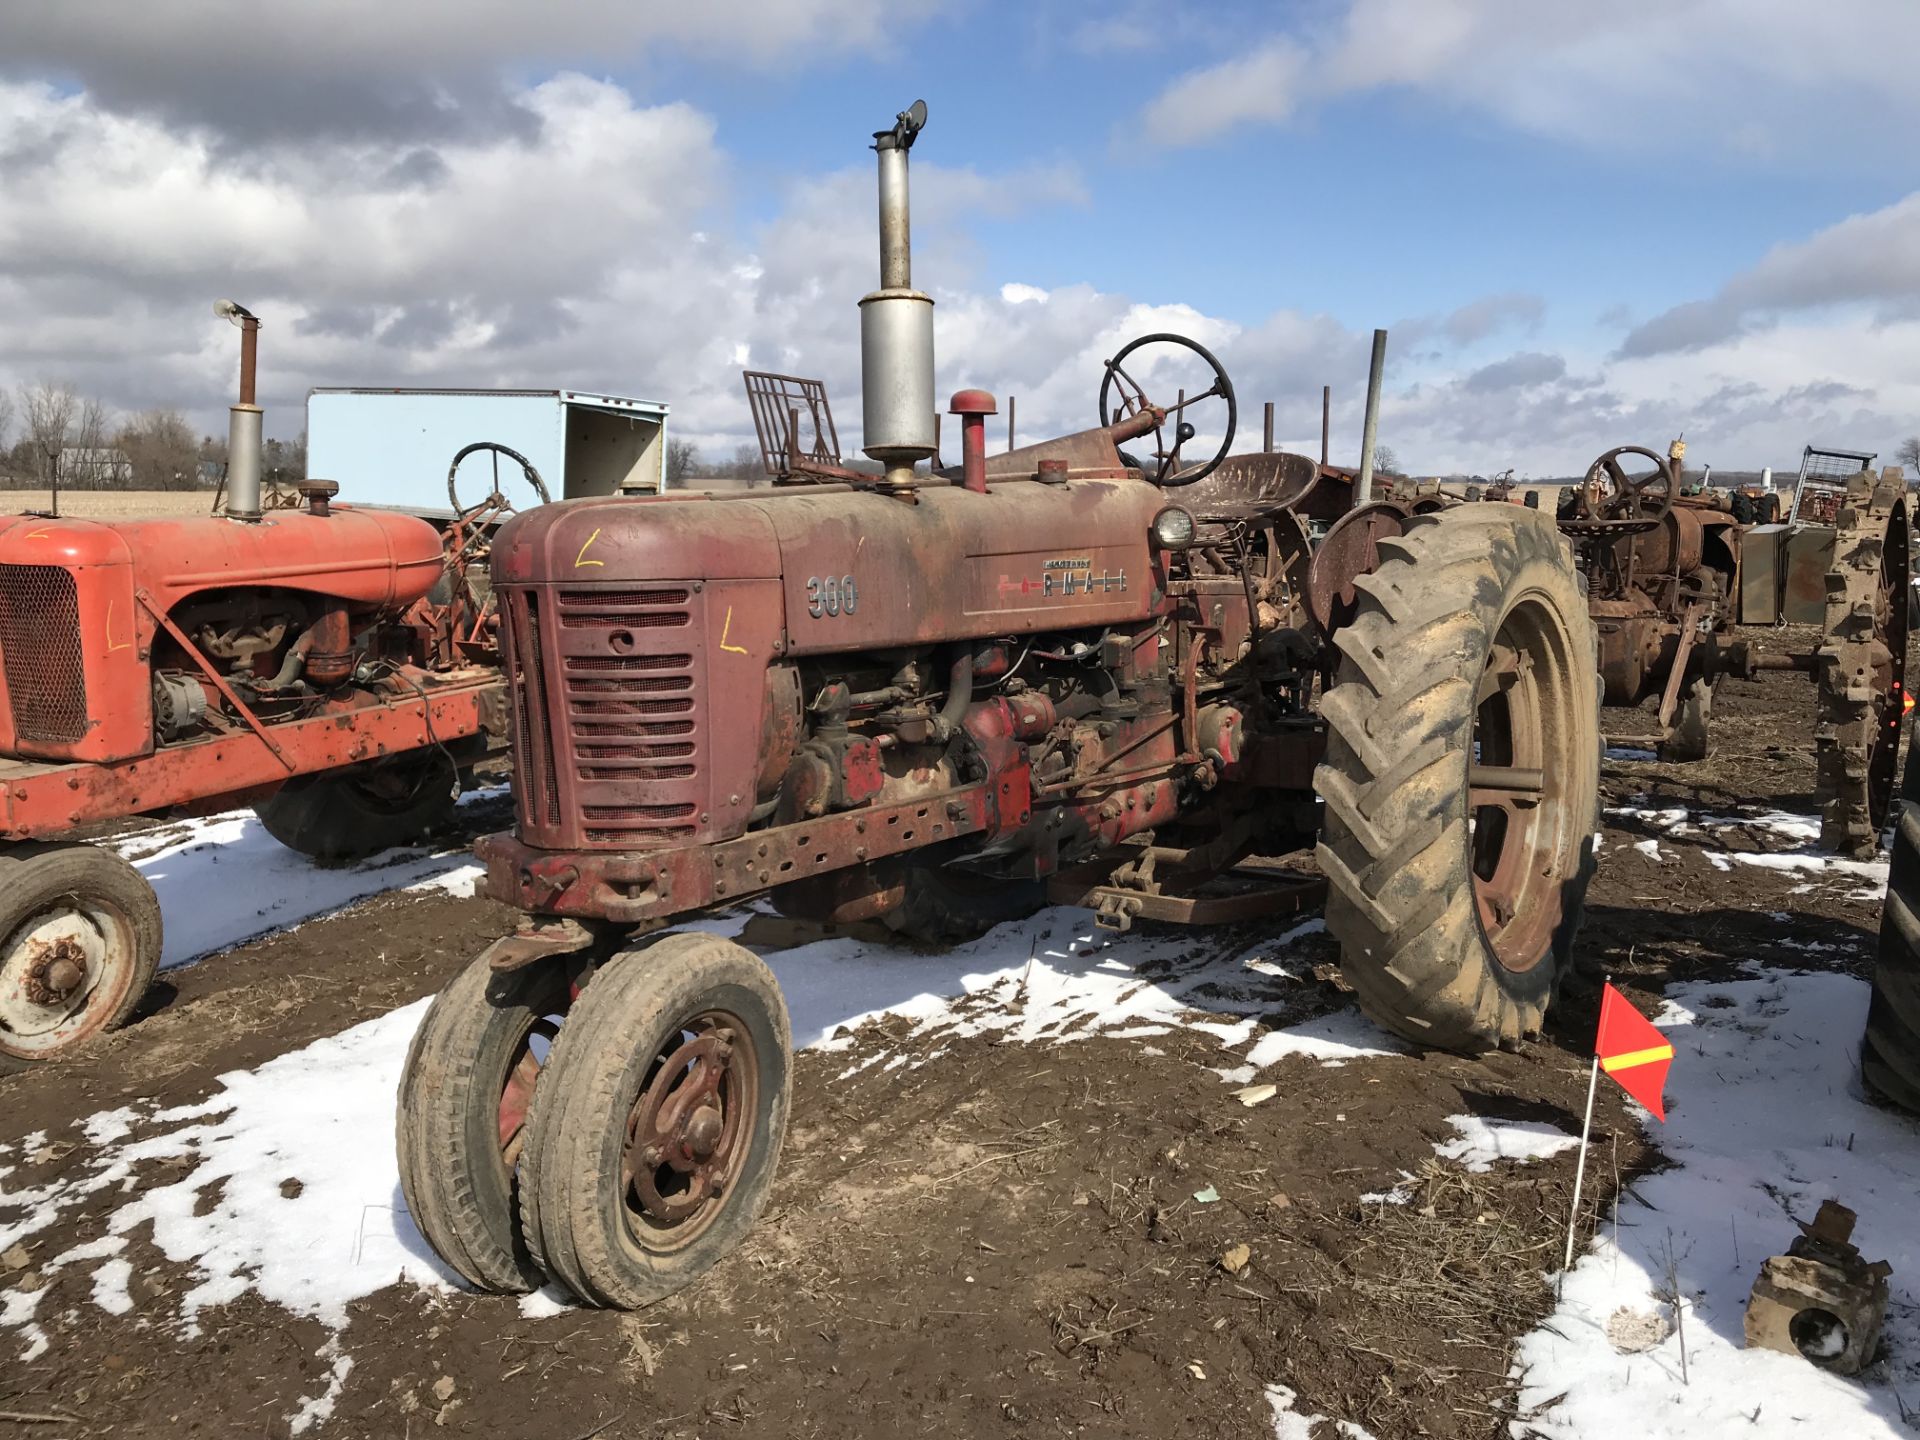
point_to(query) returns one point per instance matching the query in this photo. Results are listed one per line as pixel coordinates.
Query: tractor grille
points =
(617, 759)
(40, 649)
(533, 766)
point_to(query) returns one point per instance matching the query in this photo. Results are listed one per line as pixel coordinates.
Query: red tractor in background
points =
(333, 667)
(936, 699)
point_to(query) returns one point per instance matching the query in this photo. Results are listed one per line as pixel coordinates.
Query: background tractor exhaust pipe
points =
(896, 323)
(244, 433)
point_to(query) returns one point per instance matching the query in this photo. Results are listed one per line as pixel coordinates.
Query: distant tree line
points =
(50, 423)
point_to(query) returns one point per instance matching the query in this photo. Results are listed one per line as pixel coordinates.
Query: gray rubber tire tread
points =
(474, 1235)
(33, 875)
(325, 818)
(1395, 846)
(1890, 1051)
(565, 1165)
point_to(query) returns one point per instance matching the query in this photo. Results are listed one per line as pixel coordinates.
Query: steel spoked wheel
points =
(657, 1132)
(1861, 672)
(1516, 782)
(1461, 777)
(80, 936)
(466, 1101)
(689, 1131)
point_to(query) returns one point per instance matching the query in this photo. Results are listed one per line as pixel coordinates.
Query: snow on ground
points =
(223, 880)
(1764, 828)
(1766, 1120)
(1290, 1424)
(283, 1181)
(1481, 1142)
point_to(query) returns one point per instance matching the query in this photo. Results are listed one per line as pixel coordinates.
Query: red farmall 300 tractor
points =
(932, 698)
(331, 666)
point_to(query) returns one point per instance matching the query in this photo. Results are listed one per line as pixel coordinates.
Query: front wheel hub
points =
(690, 1125)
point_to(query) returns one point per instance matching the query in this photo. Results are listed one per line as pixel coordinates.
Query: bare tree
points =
(161, 449)
(1385, 462)
(48, 409)
(1909, 453)
(6, 419)
(683, 460)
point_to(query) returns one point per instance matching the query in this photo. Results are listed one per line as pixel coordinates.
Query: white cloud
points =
(1763, 79)
(416, 67)
(499, 258)
(1262, 86)
(1871, 260)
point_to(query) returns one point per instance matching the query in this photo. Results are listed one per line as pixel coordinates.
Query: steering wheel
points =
(1134, 406)
(496, 501)
(1610, 493)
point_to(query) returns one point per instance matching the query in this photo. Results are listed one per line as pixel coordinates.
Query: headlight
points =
(1173, 528)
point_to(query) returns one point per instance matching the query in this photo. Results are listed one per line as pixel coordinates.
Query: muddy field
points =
(1017, 1212)
(109, 504)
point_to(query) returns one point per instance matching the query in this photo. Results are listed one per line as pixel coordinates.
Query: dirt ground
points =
(109, 504)
(996, 1239)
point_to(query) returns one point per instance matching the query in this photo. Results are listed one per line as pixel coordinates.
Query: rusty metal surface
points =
(1808, 558)
(50, 799)
(1822, 1300)
(1346, 552)
(792, 417)
(689, 1131)
(632, 887)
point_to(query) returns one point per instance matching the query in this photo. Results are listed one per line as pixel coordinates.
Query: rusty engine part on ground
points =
(1089, 667)
(1821, 1300)
(334, 667)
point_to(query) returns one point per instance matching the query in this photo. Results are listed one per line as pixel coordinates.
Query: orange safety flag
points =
(1632, 1051)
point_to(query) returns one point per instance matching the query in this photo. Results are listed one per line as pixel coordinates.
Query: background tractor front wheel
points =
(79, 943)
(1461, 777)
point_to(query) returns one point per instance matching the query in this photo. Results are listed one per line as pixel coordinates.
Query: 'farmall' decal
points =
(1064, 578)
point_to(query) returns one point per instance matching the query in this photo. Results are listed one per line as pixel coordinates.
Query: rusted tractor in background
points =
(336, 668)
(1674, 576)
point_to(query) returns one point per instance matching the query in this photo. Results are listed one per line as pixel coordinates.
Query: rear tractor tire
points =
(657, 1130)
(1890, 1051)
(1461, 777)
(80, 938)
(351, 814)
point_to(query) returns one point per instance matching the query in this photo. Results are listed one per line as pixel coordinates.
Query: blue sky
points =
(1585, 226)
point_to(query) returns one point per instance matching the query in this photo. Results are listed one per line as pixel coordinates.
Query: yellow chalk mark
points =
(38, 534)
(580, 562)
(111, 647)
(726, 628)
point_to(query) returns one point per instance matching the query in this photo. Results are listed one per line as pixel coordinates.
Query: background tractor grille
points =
(40, 649)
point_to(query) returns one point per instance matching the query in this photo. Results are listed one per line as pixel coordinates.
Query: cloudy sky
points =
(1584, 225)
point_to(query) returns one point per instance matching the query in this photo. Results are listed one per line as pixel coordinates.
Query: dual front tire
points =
(621, 1156)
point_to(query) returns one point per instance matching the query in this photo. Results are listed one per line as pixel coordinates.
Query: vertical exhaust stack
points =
(244, 434)
(896, 323)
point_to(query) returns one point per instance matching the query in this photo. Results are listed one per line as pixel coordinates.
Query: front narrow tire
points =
(658, 1129)
(474, 1067)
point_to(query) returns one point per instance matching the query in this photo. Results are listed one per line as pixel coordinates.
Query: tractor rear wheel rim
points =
(1516, 765)
(63, 973)
(689, 1131)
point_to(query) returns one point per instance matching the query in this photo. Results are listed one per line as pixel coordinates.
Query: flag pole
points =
(1580, 1170)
